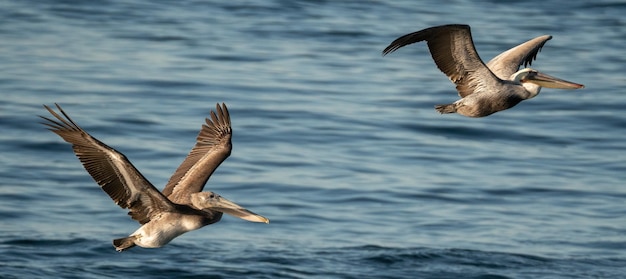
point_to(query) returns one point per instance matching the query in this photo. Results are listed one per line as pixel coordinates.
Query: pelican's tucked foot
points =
(123, 244)
(449, 108)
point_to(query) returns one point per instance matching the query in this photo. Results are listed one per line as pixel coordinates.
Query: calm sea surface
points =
(340, 147)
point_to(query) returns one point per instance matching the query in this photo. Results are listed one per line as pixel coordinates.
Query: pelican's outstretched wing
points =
(111, 170)
(453, 51)
(508, 62)
(213, 146)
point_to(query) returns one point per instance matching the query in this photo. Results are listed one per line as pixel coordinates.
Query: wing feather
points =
(213, 146)
(111, 170)
(452, 49)
(507, 63)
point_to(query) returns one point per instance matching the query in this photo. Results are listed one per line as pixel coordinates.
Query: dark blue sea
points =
(337, 145)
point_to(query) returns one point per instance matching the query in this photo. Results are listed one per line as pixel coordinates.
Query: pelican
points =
(181, 207)
(484, 89)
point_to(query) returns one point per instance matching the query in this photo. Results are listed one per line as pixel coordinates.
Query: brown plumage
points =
(213, 146)
(484, 89)
(182, 206)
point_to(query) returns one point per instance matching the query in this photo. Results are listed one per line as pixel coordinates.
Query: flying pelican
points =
(484, 89)
(181, 207)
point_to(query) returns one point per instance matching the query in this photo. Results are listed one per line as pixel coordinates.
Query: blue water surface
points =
(340, 147)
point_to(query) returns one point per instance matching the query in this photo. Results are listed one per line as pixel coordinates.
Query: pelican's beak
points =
(548, 81)
(223, 205)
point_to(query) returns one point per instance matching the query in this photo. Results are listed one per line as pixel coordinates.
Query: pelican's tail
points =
(123, 244)
(449, 108)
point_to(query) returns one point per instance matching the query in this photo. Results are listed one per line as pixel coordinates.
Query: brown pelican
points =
(484, 89)
(181, 207)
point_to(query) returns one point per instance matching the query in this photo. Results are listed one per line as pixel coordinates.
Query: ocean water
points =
(340, 147)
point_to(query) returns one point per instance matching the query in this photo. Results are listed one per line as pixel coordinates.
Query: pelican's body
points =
(181, 207)
(484, 89)
(160, 232)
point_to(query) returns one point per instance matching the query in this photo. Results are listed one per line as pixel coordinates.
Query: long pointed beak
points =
(231, 208)
(548, 81)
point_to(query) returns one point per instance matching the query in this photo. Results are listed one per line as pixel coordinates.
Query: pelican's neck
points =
(532, 89)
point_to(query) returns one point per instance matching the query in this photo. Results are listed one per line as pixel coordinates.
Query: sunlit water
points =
(340, 147)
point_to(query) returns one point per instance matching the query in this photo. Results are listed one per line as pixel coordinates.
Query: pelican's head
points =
(213, 201)
(533, 80)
